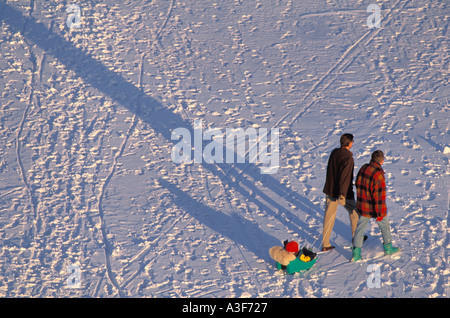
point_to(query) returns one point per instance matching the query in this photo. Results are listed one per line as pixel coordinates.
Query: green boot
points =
(389, 249)
(356, 254)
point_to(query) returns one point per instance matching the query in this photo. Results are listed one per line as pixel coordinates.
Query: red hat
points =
(292, 246)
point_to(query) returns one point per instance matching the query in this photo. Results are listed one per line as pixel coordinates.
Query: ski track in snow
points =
(86, 175)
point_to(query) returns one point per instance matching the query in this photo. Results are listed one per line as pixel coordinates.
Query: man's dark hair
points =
(378, 156)
(346, 139)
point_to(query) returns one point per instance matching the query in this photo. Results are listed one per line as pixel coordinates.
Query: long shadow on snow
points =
(233, 226)
(161, 119)
(280, 213)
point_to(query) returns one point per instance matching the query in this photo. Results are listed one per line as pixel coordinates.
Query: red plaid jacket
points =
(371, 191)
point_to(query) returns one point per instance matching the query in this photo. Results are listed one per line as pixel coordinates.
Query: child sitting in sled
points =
(291, 259)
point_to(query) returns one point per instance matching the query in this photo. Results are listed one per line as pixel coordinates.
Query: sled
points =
(296, 265)
(305, 259)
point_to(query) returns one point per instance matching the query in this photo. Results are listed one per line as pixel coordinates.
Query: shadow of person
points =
(235, 227)
(162, 120)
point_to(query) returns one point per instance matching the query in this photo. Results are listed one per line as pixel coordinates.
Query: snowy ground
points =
(86, 175)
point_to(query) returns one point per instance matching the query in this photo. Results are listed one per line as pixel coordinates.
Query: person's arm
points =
(345, 176)
(379, 195)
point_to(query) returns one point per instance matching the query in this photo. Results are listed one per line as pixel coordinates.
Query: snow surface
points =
(86, 115)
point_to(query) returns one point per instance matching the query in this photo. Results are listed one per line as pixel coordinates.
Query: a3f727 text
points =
(246, 307)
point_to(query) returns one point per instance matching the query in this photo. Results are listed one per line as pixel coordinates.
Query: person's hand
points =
(341, 200)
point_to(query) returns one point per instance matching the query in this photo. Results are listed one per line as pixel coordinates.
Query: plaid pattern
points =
(371, 191)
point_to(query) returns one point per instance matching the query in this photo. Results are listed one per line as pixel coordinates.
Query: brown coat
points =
(339, 179)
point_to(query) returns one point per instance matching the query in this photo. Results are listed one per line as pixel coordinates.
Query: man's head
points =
(346, 141)
(378, 156)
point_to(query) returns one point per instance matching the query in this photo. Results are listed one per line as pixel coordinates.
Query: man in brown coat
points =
(339, 188)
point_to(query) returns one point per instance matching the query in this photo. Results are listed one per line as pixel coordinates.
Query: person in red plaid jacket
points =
(371, 203)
